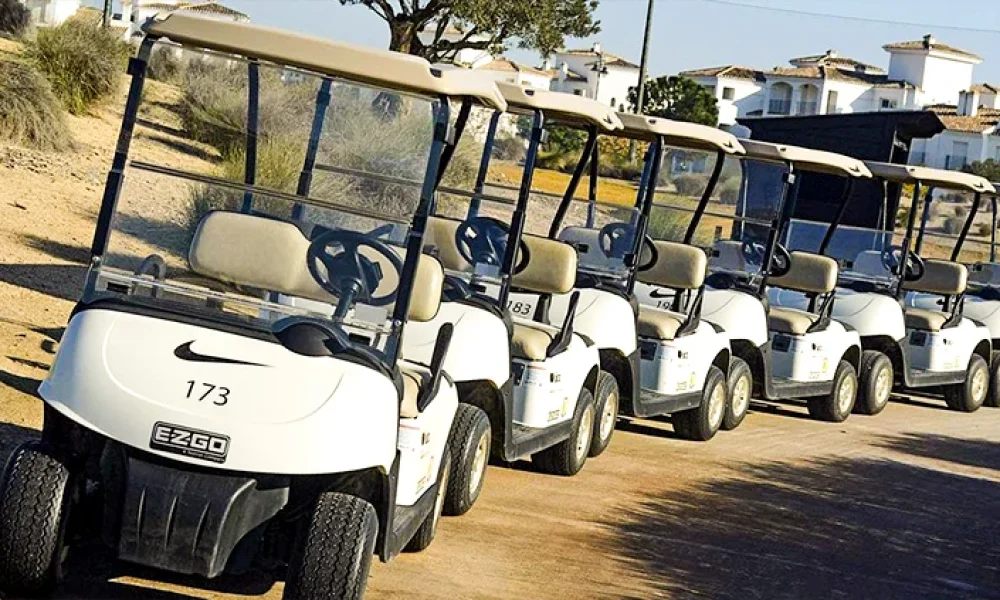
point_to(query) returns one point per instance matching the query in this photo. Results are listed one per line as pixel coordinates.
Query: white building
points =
(49, 13)
(595, 74)
(466, 57)
(971, 132)
(508, 71)
(136, 12)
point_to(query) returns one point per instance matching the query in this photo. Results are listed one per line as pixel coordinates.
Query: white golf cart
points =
(196, 424)
(535, 381)
(941, 340)
(789, 353)
(982, 299)
(666, 362)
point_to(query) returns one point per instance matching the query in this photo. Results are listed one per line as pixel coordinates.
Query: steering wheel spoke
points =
(349, 274)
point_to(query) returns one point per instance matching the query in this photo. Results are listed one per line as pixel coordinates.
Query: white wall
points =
(52, 12)
(939, 77)
(747, 97)
(937, 149)
(614, 86)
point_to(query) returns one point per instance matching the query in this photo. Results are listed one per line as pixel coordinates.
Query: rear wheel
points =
(425, 535)
(993, 397)
(875, 383)
(567, 457)
(469, 443)
(836, 406)
(333, 555)
(702, 423)
(971, 394)
(606, 409)
(740, 389)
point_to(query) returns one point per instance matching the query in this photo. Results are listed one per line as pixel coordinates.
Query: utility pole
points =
(641, 92)
(106, 17)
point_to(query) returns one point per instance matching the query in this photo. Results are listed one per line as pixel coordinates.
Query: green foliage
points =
(988, 169)
(565, 140)
(14, 18)
(953, 225)
(678, 98)
(691, 184)
(83, 63)
(903, 216)
(30, 114)
(166, 66)
(511, 148)
(729, 191)
(541, 25)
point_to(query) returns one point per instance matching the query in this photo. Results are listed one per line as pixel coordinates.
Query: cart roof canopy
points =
(806, 159)
(564, 108)
(378, 68)
(949, 180)
(680, 134)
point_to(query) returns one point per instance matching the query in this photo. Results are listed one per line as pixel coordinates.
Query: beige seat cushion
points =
(941, 277)
(658, 323)
(928, 320)
(790, 320)
(412, 383)
(810, 273)
(677, 266)
(531, 341)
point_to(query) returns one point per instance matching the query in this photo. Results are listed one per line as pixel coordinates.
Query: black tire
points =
(875, 383)
(35, 498)
(568, 456)
(702, 423)
(470, 429)
(834, 407)
(740, 387)
(606, 404)
(970, 395)
(993, 398)
(333, 554)
(428, 529)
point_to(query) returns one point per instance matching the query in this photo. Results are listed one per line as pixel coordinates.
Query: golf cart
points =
(194, 422)
(661, 362)
(940, 340)
(789, 353)
(535, 381)
(982, 296)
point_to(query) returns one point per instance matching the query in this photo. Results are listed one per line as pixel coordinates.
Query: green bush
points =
(30, 114)
(624, 170)
(166, 66)
(690, 184)
(953, 225)
(729, 191)
(83, 63)
(511, 148)
(14, 18)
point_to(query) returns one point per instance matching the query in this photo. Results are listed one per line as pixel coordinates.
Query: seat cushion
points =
(531, 340)
(412, 383)
(928, 320)
(790, 320)
(659, 324)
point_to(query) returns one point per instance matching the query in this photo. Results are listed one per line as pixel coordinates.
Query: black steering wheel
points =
(483, 240)
(347, 274)
(649, 252)
(781, 262)
(915, 267)
(615, 239)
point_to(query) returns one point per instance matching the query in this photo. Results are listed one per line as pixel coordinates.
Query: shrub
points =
(83, 63)
(953, 225)
(690, 184)
(624, 171)
(961, 211)
(729, 191)
(166, 66)
(14, 18)
(511, 148)
(30, 114)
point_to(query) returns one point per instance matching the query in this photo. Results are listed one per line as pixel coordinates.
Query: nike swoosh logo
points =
(184, 352)
(659, 294)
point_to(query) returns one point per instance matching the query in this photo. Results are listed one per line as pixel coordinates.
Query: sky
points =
(690, 34)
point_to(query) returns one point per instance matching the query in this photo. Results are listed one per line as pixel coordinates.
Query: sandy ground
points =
(904, 505)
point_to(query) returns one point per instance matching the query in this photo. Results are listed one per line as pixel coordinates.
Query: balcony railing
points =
(779, 107)
(807, 108)
(955, 162)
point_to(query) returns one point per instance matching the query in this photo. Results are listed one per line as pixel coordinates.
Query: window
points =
(577, 92)
(888, 104)
(831, 102)
(728, 93)
(613, 103)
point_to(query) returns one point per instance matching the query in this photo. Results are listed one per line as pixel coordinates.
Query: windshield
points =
(947, 215)
(254, 241)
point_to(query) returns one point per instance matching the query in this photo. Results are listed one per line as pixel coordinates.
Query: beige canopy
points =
(379, 68)
(806, 159)
(939, 178)
(565, 108)
(680, 134)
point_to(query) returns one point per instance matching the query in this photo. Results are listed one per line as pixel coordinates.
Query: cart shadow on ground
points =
(829, 528)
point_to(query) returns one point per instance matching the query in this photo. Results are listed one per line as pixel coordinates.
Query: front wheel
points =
(836, 406)
(35, 498)
(969, 395)
(702, 423)
(567, 457)
(606, 408)
(875, 383)
(740, 390)
(334, 552)
(469, 443)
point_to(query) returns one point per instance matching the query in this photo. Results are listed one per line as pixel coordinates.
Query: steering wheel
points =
(781, 262)
(483, 240)
(347, 274)
(648, 249)
(615, 239)
(915, 266)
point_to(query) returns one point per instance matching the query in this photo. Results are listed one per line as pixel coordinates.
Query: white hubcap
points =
(609, 416)
(741, 396)
(979, 386)
(845, 397)
(717, 405)
(883, 385)
(583, 435)
(479, 463)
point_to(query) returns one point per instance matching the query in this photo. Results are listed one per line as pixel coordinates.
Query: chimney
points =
(968, 103)
(831, 53)
(929, 41)
(597, 48)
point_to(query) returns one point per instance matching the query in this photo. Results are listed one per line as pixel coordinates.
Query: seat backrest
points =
(551, 267)
(986, 273)
(428, 287)
(809, 273)
(942, 277)
(675, 265)
(440, 235)
(727, 255)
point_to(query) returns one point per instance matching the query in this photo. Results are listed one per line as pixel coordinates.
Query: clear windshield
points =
(864, 254)
(202, 234)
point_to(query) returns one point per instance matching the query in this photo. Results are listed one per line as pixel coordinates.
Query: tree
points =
(678, 98)
(489, 25)
(987, 169)
(14, 18)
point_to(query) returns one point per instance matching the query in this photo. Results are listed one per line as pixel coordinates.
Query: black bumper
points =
(189, 521)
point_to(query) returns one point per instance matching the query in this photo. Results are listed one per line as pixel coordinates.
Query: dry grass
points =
(30, 114)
